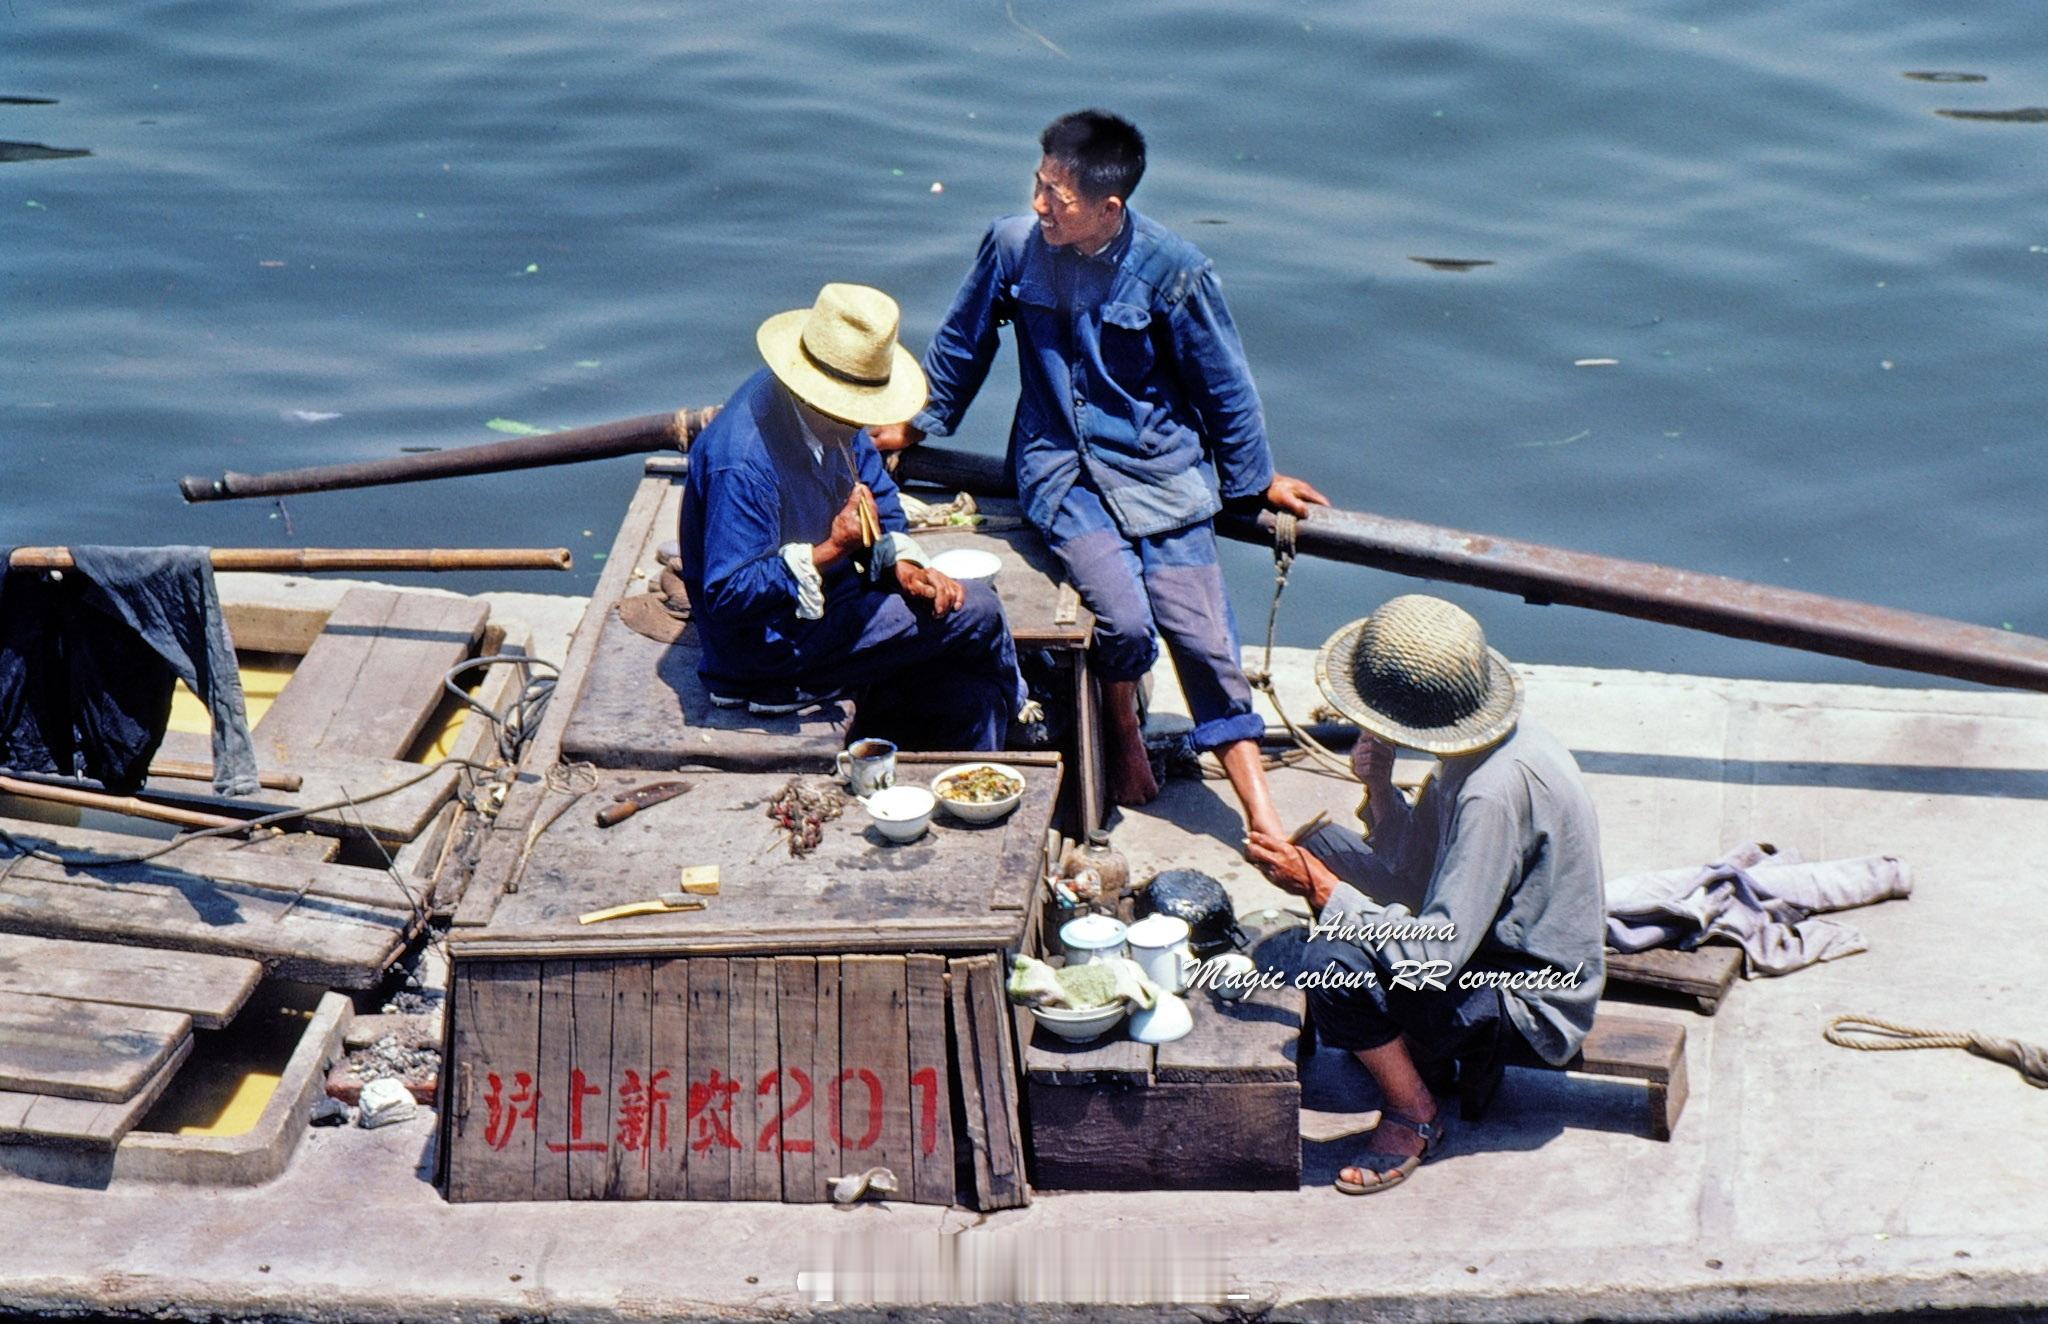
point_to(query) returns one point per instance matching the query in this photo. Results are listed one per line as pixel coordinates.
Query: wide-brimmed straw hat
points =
(840, 356)
(1418, 673)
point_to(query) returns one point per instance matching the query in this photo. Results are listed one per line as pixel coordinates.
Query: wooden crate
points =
(730, 1078)
(1217, 1110)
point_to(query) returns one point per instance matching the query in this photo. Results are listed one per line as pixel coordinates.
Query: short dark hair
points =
(1105, 153)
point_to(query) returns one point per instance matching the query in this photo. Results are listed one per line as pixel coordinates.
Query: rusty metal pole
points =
(628, 436)
(337, 558)
(1540, 574)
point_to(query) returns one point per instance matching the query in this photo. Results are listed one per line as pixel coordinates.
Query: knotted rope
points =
(1285, 527)
(2030, 1060)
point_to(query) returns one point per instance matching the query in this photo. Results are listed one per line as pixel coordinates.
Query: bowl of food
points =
(901, 813)
(979, 792)
(1081, 1025)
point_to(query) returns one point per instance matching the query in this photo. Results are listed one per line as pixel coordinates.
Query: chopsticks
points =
(870, 520)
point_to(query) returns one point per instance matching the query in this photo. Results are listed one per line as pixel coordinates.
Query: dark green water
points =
(1825, 296)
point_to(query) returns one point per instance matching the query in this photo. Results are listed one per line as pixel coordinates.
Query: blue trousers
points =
(1170, 583)
(925, 682)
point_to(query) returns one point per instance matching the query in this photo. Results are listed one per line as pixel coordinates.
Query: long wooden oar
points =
(339, 558)
(648, 432)
(1540, 574)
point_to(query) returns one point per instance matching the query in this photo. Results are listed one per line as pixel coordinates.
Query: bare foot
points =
(1130, 768)
(1130, 778)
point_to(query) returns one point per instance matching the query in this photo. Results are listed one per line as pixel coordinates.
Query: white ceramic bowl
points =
(1081, 1026)
(901, 813)
(964, 563)
(980, 813)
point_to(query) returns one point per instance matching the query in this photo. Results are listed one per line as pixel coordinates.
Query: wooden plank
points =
(551, 1076)
(1705, 973)
(710, 1088)
(84, 1123)
(217, 860)
(261, 627)
(591, 1085)
(796, 1023)
(1631, 1047)
(372, 678)
(634, 1125)
(209, 989)
(757, 1067)
(870, 1097)
(671, 1063)
(309, 846)
(932, 1177)
(393, 818)
(83, 1050)
(1255, 1038)
(494, 1052)
(1167, 1137)
(996, 1083)
(825, 1060)
(974, 1111)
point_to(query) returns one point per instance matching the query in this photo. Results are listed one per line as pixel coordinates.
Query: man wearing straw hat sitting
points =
(1500, 856)
(802, 580)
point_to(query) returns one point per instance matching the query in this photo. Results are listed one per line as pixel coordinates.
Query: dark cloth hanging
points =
(88, 658)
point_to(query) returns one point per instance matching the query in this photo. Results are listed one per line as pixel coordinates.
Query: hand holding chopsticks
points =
(864, 504)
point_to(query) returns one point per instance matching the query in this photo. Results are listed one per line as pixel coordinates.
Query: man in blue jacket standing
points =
(1136, 422)
(803, 580)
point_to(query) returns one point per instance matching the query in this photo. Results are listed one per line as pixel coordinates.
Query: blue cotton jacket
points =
(1132, 375)
(754, 486)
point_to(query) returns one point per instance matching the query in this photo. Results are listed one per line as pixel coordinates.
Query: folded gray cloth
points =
(1757, 896)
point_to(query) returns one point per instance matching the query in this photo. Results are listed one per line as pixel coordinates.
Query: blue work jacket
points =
(1132, 372)
(754, 486)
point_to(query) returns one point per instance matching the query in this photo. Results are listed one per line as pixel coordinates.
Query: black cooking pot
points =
(1194, 896)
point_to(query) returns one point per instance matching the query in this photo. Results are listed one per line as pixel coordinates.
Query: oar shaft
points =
(648, 432)
(184, 770)
(114, 804)
(339, 558)
(1541, 574)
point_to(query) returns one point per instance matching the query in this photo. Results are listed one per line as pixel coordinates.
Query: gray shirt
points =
(1503, 847)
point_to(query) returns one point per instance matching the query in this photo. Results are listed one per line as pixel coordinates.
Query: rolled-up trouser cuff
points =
(1221, 731)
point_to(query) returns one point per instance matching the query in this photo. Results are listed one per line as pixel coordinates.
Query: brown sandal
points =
(1390, 1170)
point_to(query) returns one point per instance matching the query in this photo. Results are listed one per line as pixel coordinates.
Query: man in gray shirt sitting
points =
(1499, 861)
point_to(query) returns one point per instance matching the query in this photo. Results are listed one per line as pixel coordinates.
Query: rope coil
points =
(1870, 1035)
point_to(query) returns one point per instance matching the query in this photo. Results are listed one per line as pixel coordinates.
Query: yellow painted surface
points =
(243, 1106)
(263, 676)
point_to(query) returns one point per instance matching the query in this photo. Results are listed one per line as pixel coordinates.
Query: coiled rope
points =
(1871, 1035)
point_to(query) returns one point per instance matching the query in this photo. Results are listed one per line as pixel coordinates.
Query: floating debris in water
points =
(27, 101)
(1546, 445)
(306, 416)
(2024, 115)
(514, 427)
(12, 151)
(1944, 76)
(417, 450)
(1596, 363)
(938, 187)
(1453, 263)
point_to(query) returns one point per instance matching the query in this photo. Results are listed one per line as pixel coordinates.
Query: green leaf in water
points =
(37, 205)
(515, 427)
(532, 268)
(589, 363)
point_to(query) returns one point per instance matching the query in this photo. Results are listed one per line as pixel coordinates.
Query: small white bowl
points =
(981, 813)
(1081, 1026)
(965, 563)
(901, 813)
